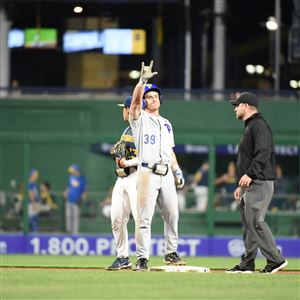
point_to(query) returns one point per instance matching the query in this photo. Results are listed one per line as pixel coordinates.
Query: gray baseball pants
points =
(256, 232)
(72, 217)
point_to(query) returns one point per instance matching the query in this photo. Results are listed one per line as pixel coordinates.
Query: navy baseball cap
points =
(151, 87)
(127, 103)
(245, 97)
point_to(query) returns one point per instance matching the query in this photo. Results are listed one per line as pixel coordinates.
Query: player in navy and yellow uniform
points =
(129, 141)
(124, 195)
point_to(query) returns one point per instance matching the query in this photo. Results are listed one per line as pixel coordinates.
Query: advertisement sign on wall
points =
(104, 245)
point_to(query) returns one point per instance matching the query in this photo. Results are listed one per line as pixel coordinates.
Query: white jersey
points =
(153, 137)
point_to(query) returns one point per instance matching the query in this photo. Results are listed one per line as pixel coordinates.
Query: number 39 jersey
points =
(154, 138)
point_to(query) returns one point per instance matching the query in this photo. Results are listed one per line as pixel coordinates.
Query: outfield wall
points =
(49, 135)
(85, 245)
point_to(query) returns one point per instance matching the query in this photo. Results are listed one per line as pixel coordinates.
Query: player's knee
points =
(259, 223)
(144, 224)
(116, 224)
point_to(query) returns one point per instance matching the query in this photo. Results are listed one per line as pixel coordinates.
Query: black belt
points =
(146, 165)
(159, 169)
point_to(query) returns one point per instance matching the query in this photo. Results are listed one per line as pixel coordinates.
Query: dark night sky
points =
(247, 38)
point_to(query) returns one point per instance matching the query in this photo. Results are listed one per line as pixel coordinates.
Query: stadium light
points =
(78, 9)
(294, 84)
(259, 69)
(272, 24)
(250, 69)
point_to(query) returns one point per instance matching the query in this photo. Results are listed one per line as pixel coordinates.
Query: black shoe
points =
(119, 263)
(141, 265)
(238, 269)
(273, 268)
(174, 259)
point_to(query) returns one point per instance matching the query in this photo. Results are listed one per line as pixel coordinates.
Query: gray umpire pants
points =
(256, 232)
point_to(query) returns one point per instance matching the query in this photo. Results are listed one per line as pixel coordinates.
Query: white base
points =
(180, 269)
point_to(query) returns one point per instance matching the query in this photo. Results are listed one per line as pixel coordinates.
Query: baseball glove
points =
(118, 150)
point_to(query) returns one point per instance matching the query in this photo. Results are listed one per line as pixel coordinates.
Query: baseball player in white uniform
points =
(124, 195)
(158, 171)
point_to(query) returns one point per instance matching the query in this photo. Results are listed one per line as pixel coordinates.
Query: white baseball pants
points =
(154, 188)
(124, 197)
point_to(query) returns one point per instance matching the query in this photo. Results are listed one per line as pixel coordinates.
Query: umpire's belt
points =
(159, 169)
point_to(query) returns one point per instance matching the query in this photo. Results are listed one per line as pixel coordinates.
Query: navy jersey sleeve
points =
(128, 138)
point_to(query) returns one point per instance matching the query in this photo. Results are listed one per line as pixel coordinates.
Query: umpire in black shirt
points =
(256, 174)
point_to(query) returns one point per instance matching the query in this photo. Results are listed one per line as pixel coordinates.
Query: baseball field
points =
(76, 277)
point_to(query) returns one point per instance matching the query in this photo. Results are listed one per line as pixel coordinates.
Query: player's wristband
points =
(142, 82)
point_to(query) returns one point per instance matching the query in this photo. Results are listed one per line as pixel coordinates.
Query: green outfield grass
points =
(56, 283)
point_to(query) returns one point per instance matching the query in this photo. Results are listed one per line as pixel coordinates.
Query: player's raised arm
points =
(137, 97)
